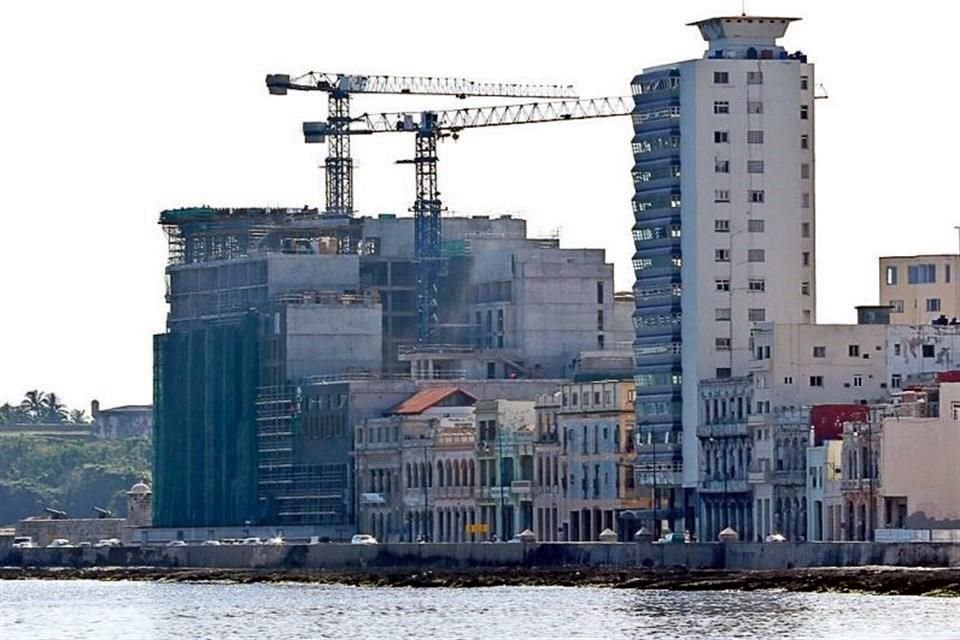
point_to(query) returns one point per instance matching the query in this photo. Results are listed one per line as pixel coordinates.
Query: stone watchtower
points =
(140, 505)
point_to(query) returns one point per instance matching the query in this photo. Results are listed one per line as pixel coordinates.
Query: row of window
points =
(918, 274)
(722, 107)
(753, 284)
(723, 77)
(932, 305)
(753, 314)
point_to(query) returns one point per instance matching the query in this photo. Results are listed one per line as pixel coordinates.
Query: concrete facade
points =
(725, 226)
(920, 289)
(597, 420)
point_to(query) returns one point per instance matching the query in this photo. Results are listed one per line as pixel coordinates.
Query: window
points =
(853, 350)
(804, 112)
(804, 288)
(896, 306)
(921, 273)
(721, 106)
(723, 372)
(723, 313)
(858, 380)
(756, 255)
(788, 380)
(896, 381)
(928, 351)
(805, 171)
(946, 273)
(816, 381)
(754, 77)
(721, 137)
(804, 141)
(805, 200)
(755, 226)
(599, 319)
(721, 77)
(804, 83)
(722, 344)
(757, 284)
(804, 229)
(721, 166)
(756, 315)
(955, 410)
(721, 226)
(756, 196)
(722, 284)
(896, 349)
(754, 106)
(819, 352)
(721, 255)
(755, 166)
(806, 258)
(721, 195)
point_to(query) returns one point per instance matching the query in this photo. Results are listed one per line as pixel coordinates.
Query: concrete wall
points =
(344, 556)
(331, 338)
(288, 272)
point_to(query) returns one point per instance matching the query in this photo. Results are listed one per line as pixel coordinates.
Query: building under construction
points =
(271, 310)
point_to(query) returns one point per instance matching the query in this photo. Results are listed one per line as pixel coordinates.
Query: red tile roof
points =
(426, 398)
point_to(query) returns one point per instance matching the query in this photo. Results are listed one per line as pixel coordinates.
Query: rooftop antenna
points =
(822, 96)
(743, 7)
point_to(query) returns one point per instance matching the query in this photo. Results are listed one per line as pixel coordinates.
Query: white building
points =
(725, 226)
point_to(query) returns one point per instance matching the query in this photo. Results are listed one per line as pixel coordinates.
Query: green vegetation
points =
(68, 474)
(40, 407)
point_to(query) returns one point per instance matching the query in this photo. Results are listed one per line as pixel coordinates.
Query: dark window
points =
(599, 293)
(928, 351)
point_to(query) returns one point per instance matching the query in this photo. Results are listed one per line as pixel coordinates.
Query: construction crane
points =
(339, 87)
(429, 127)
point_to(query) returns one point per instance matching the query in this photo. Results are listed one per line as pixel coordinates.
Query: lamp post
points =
(497, 435)
(428, 525)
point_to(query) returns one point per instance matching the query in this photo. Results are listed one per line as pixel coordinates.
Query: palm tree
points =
(53, 409)
(78, 416)
(32, 405)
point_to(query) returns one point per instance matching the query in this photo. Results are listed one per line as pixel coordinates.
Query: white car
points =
(251, 541)
(108, 542)
(211, 543)
(176, 543)
(363, 538)
(275, 541)
(58, 542)
(23, 542)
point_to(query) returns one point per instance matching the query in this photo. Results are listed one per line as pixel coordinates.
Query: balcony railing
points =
(521, 487)
(719, 486)
(731, 429)
(758, 476)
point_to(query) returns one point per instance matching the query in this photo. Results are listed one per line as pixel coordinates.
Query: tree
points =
(9, 414)
(53, 409)
(78, 416)
(32, 405)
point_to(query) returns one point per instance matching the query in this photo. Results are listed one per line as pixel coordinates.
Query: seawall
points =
(732, 556)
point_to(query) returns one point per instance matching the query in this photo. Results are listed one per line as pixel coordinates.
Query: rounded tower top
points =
(140, 487)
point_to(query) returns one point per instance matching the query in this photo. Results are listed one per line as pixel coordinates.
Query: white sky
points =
(111, 112)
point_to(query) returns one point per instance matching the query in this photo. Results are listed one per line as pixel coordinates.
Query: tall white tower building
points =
(724, 232)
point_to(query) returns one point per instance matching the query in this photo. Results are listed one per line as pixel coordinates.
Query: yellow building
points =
(920, 289)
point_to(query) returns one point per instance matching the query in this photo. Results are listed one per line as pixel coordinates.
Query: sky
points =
(111, 112)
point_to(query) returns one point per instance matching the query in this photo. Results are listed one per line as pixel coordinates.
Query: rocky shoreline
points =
(871, 580)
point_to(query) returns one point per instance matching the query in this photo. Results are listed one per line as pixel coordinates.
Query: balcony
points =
(789, 476)
(521, 487)
(860, 484)
(721, 487)
(732, 429)
(758, 476)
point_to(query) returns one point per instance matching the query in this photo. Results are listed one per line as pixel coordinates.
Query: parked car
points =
(211, 543)
(23, 542)
(672, 538)
(108, 542)
(176, 543)
(363, 538)
(59, 542)
(319, 540)
(251, 541)
(775, 537)
(275, 541)
(85, 544)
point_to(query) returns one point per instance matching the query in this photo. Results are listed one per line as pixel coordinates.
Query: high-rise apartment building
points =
(724, 231)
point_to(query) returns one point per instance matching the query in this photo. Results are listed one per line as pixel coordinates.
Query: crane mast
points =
(430, 126)
(338, 167)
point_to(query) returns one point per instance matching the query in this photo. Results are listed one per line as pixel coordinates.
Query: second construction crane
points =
(429, 127)
(338, 167)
